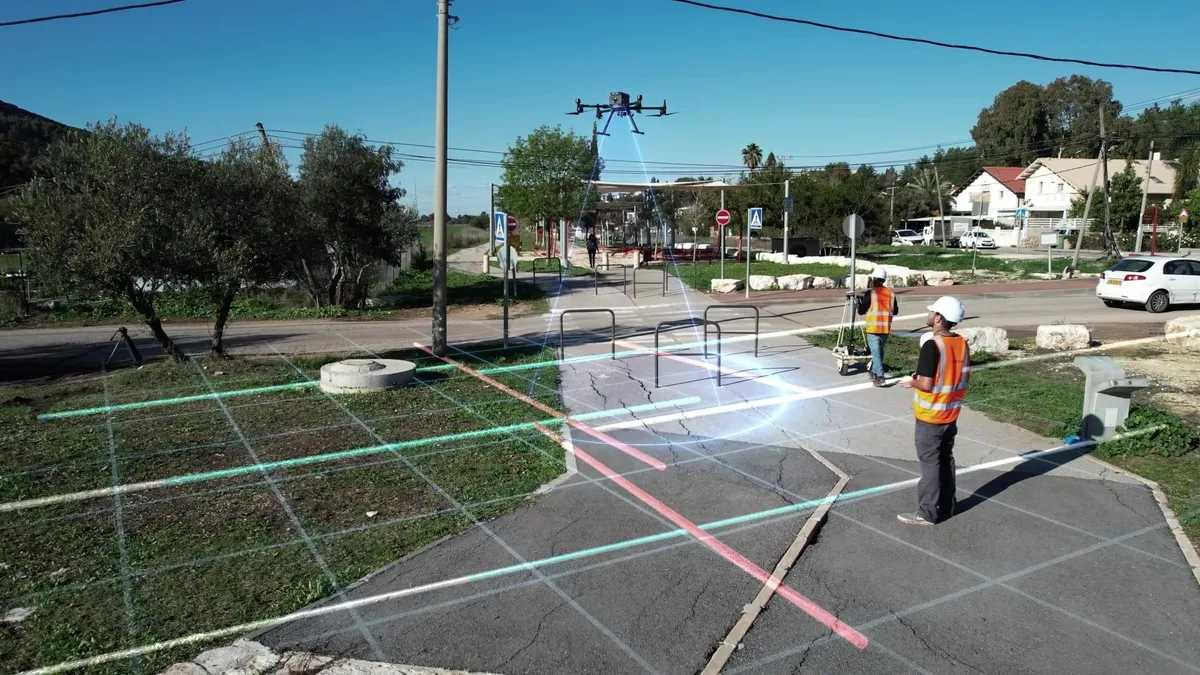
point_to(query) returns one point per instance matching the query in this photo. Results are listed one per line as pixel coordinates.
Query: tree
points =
(251, 211)
(545, 175)
(111, 213)
(929, 193)
(752, 156)
(351, 217)
(1015, 129)
(1125, 199)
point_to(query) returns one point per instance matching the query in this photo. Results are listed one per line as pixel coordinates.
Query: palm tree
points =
(929, 191)
(752, 156)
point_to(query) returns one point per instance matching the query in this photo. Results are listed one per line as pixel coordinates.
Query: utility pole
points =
(439, 181)
(787, 194)
(1110, 242)
(492, 187)
(892, 207)
(262, 133)
(937, 184)
(1137, 246)
(1087, 208)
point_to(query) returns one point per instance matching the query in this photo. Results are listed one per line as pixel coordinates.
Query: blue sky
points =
(215, 67)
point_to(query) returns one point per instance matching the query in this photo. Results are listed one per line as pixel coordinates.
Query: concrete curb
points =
(750, 612)
(1164, 505)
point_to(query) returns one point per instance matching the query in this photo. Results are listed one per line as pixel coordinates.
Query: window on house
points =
(1060, 187)
(1041, 186)
(1001, 193)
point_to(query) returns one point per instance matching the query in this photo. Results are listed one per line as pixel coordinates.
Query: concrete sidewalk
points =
(1052, 565)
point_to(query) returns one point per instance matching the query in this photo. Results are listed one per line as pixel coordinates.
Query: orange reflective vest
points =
(942, 405)
(879, 316)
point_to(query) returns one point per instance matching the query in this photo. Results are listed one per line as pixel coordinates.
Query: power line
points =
(94, 12)
(934, 43)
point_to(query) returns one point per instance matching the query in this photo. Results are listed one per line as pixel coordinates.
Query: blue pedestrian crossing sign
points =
(500, 221)
(755, 218)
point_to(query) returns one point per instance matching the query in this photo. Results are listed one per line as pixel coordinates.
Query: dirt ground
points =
(1174, 378)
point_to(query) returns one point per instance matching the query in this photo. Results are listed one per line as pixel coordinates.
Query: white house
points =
(1052, 183)
(997, 189)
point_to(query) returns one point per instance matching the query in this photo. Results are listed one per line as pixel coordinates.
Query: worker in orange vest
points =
(878, 305)
(939, 386)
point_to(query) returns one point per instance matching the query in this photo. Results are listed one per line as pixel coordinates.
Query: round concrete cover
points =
(354, 376)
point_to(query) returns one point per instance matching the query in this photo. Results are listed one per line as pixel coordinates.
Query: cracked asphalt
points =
(1054, 565)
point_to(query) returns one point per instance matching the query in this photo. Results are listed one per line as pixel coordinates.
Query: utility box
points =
(1106, 395)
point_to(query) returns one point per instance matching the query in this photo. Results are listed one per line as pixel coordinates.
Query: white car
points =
(906, 238)
(976, 239)
(1155, 282)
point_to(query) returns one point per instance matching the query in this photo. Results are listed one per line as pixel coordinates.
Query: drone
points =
(620, 105)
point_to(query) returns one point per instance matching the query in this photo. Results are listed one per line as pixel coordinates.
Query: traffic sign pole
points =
(723, 218)
(500, 232)
(853, 226)
(787, 208)
(754, 221)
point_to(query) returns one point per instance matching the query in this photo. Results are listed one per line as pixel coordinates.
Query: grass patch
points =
(222, 551)
(550, 266)
(413, 288)
(700, 275)
(889, 249)
(1047, 399)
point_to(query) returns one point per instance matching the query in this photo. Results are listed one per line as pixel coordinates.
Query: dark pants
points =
(591, 258)
(935, 489)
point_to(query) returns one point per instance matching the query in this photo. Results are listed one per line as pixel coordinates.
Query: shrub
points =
(1175, 438)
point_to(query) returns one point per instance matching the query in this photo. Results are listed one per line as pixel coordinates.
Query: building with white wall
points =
(998, 189)
(1053, 183)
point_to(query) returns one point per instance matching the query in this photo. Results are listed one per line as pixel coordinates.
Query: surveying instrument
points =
(846, 353)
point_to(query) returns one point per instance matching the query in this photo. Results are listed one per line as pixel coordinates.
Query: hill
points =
(23, 136)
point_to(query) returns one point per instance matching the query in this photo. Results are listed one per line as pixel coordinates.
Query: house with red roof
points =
(993, 194)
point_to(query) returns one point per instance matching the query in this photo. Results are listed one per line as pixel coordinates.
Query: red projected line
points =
(774, 583)
(599, 435)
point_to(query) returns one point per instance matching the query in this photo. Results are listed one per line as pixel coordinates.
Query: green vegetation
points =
(700, 275)
(221, 552)
(938, 259)
(458, 237)
(551, 265)
(409, 290)
(1047, 400)
(873, 250)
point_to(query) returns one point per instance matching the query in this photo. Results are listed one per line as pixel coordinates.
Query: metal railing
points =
(624, 276)
(690, 322)
(664, 280)
(557, 262)
(757, 320)
(561, 333)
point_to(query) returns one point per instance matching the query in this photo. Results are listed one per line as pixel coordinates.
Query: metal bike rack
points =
(757, 319)
(691, 322)
(624, 276)
(535, 262)
(561, 317)
(664, 281)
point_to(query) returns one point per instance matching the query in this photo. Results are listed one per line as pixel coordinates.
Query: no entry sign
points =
(722, 217)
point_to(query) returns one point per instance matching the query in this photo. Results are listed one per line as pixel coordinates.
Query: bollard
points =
(1106, 395)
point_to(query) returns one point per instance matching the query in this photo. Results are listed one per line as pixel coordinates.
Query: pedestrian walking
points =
(938, 385)
(878, 304)
(592, 245)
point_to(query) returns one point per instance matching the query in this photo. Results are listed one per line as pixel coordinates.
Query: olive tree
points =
(111, 213)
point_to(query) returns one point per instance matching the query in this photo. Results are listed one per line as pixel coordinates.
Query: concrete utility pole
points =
(937, 184)
(1137, 246)
(787, 193)
(439, 181)
(892, 207)
(1110, 242)
(1087, 208)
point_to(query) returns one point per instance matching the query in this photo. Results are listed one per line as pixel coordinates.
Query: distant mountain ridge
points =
(24, 135)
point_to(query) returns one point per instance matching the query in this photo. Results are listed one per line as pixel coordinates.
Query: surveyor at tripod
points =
(878, 304)
(939, 386)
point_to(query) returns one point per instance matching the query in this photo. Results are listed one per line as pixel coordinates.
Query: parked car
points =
(1155, 282)
(906, 238)
(976, 239)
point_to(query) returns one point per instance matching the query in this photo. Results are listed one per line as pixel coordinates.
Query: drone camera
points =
(618, 99)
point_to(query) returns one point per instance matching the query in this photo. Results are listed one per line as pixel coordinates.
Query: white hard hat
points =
(879, 273)
(950, 308)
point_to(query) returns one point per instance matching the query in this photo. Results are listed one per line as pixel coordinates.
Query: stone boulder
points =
(935, 278)
(1184, 332)
(763, 282)
(860, 281)
(1063, 336)
(825, 282)
(795, 282)
(726, 285)
(985, 339)
(243, 657)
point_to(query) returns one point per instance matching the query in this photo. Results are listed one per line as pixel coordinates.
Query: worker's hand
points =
(906, 382)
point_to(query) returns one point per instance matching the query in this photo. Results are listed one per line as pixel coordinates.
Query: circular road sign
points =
(853, 225)
(723, 217)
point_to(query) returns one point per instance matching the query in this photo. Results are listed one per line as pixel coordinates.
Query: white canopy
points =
(608, 186)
